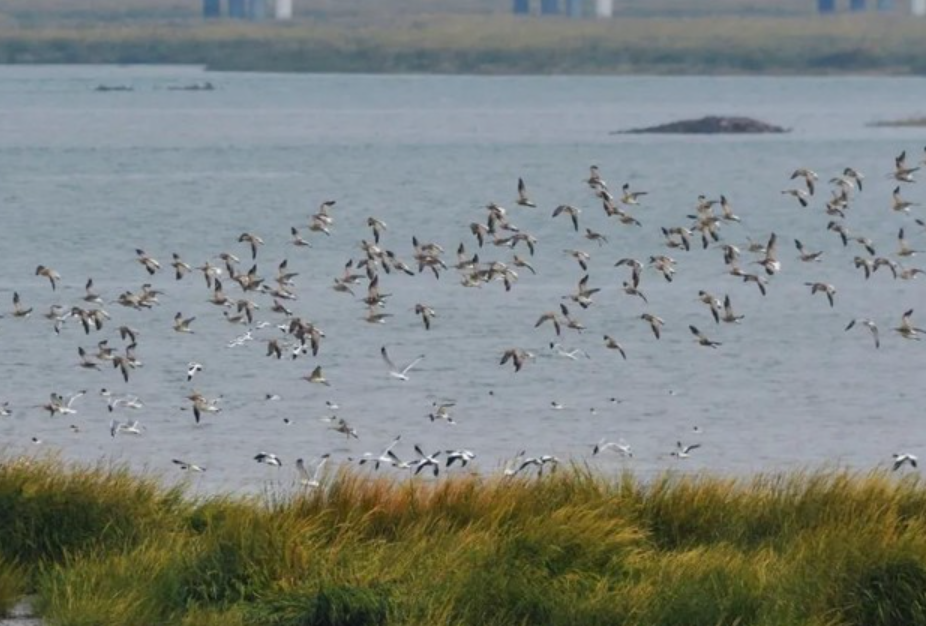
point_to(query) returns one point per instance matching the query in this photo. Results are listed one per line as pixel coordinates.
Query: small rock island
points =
(712, 124)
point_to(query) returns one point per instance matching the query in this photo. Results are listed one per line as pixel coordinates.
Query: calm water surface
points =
(87, 177)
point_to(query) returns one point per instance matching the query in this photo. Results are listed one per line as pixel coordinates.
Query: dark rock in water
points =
(711, 124)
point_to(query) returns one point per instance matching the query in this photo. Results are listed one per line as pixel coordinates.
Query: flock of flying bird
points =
(290, 336)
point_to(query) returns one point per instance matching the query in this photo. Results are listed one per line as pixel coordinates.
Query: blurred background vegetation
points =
(471, 36)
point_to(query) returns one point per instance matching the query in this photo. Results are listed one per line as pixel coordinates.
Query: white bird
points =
(900, 459)
(511, 467)
(188, 466)
(463, 456)
(386, 457)
(125, 428)
(871, 326)
(621, 447)
(572, 355)
(394, 371)
(683, 452)
(442, 412)
(426, 460)
(59, 404)
(314, 480)
(268, 459)
(193, 368)
(129, 402)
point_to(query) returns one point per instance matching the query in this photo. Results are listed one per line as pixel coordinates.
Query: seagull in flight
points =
(192, 369)
(870, 325)
(395, 372)
(125, 428)
(683, 452)
(188, 466)
(426, 460)
(312, 481)
(621, 447)
(386, 457)
(901, 459)
(268, 458)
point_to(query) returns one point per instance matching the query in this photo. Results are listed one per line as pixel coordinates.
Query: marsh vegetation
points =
(104, 547)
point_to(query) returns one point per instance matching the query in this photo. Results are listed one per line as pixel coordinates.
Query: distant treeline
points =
(498, 45)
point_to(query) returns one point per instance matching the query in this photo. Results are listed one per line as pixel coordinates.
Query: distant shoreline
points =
(495, 46)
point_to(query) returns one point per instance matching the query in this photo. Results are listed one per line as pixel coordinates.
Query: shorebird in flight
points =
(571, 211)
(523, 199)
(180, 268)
(201, 405)
(611, 344)
(903, 248)
(800, 194)
(655, 323)
(702, 338)
(631, 197)
(594, 179)
(806, 257)
(149, 263)
(517, 356)
(906, 329)
(426, 314)
(809, 177)
(50, 274)
(181, 324)
(345, 429)
(901, 172)
(728, 315)
(726, 211)
(317, 377)
(297, 240)
(253, 240)
(899, 204)
(18, 310)
(826, 288)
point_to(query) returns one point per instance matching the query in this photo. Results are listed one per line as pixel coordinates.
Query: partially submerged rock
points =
(712, 124)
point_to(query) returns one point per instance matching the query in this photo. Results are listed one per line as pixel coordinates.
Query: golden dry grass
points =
(828, 547)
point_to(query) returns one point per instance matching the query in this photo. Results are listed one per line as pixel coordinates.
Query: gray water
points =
(87, 177)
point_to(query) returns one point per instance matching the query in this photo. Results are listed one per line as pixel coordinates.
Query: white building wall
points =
(918, 7)
(284, 9)
(605, 8)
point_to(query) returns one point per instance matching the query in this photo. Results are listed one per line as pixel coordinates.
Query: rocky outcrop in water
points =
(712, 124)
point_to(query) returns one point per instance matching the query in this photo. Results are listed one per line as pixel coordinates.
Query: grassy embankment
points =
(500, 44)
(100, 547)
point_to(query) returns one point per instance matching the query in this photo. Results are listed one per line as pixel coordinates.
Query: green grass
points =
(99, 546)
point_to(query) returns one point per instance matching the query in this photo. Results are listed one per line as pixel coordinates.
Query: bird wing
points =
(409, 367)
(386, 358)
